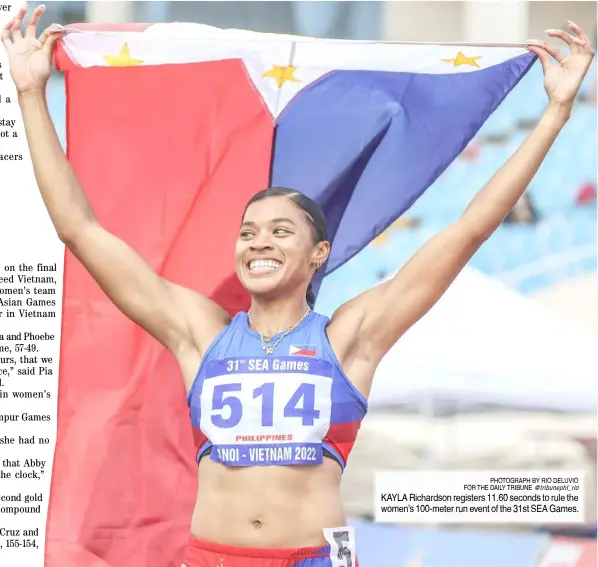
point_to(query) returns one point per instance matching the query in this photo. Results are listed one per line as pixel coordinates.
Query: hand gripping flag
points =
(171, 128)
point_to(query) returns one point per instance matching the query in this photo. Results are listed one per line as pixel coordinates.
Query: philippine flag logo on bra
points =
(303, 350)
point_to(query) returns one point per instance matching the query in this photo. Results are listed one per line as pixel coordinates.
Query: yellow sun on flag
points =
(281, 74)
(123, 59)
(462, 59)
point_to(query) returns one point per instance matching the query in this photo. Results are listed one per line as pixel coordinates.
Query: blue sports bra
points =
(289, 408)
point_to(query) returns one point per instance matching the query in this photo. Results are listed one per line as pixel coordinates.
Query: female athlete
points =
(280, 391)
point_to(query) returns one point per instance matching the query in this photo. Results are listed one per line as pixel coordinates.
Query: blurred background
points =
(501, 373)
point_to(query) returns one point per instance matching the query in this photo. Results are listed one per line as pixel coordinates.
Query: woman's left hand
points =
(563, 78)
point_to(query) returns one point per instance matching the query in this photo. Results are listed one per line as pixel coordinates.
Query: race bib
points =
(267, 410)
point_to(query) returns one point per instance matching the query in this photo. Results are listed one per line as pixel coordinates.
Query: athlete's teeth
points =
(263, 264)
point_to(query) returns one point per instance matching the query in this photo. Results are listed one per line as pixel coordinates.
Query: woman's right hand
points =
(30, 58)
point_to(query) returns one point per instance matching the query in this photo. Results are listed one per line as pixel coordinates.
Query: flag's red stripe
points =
(168, 156)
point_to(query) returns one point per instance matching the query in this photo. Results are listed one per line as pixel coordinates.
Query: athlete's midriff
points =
(267, 506)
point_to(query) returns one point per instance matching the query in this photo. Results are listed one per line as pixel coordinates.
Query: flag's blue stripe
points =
(366, 144)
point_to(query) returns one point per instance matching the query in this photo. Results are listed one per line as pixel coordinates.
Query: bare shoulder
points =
(357, 360)
(347, 320)
(205, 319)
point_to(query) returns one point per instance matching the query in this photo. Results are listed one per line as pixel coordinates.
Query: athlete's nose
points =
(261, 242)
(261, 247)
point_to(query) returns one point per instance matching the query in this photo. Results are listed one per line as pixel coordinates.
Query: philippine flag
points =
(171, 128)
(303, 350)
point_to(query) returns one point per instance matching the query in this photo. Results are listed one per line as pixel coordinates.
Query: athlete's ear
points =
(320, 254)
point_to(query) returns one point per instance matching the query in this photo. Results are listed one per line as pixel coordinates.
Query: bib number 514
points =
(301, 404)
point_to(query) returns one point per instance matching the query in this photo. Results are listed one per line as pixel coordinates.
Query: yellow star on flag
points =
(281, 74)
(123, 59)
(463, 60)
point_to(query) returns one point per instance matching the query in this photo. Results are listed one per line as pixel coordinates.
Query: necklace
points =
(267, 345)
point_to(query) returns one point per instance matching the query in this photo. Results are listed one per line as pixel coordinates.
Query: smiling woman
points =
(301, 238)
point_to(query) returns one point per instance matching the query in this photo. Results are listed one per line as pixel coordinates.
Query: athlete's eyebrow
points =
(273, 221)
(282, 219)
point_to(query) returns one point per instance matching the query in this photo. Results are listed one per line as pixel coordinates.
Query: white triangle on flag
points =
(275, 95)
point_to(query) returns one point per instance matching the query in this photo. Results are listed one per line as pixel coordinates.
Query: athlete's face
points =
(275, 251)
